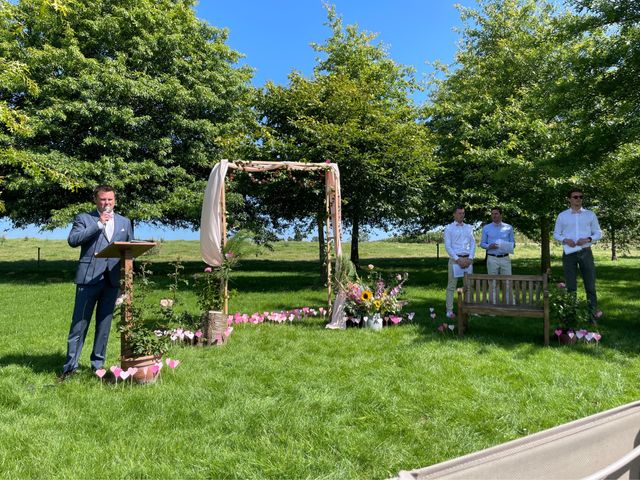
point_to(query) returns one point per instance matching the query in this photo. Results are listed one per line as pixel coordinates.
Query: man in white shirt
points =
(577, 229)
(461, 248)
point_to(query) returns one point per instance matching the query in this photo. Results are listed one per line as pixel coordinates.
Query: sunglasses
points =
(577, 196)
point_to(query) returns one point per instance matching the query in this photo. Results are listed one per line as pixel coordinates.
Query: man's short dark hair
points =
(103, 188)
(499, 209)
(574, 190)
(457, 207)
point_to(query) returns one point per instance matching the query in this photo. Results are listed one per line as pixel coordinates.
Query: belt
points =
(498, 256)
(463, 255)
(582, 250)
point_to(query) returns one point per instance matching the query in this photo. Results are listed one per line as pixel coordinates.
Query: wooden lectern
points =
(126, 252)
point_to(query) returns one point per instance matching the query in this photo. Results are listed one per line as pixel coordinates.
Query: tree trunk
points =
(614, 253)
(322, 250)
(545, 245)
(355, 236)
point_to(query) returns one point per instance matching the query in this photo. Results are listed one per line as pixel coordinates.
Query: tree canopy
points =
(356, 111)
(141, 95)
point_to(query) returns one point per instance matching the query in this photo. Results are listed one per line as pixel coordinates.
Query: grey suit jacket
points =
(91, 240)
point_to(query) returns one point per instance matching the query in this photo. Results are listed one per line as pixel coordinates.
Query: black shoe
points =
(66, 375)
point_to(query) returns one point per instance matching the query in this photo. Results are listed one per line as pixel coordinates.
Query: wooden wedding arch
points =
(213, 220)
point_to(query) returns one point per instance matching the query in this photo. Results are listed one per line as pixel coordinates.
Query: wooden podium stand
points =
(126, 252)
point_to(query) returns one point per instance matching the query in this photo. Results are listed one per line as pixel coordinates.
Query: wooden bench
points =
(504, 295)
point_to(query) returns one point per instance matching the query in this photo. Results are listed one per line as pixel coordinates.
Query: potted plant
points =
(141, 348)
(211, 288)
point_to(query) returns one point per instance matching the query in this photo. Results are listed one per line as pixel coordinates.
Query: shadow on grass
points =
(617, 287)
(38, 363)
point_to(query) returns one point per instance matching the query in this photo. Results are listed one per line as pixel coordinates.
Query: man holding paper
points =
(499, 242)
(461, 248)
(577, 229)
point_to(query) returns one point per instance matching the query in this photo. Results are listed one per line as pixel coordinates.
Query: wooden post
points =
(126, 274)
(327, 202)
(223, 241)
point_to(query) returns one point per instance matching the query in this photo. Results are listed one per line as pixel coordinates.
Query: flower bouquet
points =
(374, 301)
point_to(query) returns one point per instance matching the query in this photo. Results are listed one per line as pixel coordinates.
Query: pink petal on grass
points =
(174, 363)
(124, 374)
(558, 332)
(132, 370)
(101, 372)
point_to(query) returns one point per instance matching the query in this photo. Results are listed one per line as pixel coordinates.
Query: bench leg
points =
(546, 331)
(462, 323)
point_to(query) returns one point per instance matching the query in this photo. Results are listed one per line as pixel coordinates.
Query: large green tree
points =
(606, 100)
(355, 110)
(141, 95)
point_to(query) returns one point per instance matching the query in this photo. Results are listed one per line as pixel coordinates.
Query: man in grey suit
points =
(97, 279)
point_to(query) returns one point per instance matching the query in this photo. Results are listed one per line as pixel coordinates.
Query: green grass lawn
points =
(296, 400)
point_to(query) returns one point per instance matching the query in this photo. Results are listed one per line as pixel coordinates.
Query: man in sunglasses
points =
(577, 229)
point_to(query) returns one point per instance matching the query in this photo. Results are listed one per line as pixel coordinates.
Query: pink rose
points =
(208, 270)
(166, 303)
(561, 285)
(370, 266)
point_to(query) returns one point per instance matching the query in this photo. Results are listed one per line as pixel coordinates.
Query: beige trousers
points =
(498, 266)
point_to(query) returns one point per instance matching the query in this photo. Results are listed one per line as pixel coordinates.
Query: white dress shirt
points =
(578, 224)
(458, 240)
(108, 227)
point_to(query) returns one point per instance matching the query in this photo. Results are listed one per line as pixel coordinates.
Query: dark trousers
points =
(583, 260)
(101, 296)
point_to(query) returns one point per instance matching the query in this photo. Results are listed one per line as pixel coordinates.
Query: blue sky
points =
(275, 36)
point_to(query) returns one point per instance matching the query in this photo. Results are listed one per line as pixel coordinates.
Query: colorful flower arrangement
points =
(376, 298)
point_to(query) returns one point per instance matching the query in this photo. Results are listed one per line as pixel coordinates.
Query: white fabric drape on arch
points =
(211, 217)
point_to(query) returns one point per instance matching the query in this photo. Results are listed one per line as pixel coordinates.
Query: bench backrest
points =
(513, 290)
